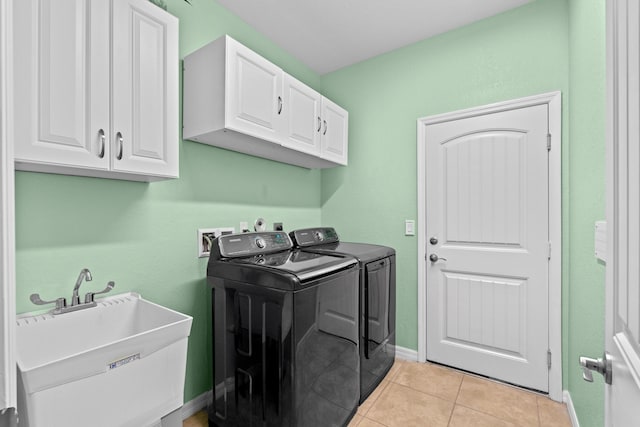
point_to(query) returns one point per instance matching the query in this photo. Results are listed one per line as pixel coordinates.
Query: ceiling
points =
(327, 35)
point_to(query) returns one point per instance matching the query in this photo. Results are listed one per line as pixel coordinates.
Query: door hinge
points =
(548, 142)
(549, 358)
(549, 251)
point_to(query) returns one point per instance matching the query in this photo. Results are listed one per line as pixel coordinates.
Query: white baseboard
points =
(406, 354)
(196, 404)
(572, 411)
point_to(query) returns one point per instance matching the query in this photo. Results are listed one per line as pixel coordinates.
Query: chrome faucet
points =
(85, 274)
(61, 303)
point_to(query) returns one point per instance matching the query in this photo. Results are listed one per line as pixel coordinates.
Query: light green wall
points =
(544, 46)
(586, 201)
(143, 236)
(519, 53)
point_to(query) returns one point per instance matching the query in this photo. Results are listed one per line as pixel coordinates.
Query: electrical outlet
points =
(206, 236)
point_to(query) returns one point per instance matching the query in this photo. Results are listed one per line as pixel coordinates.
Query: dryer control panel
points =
(314, 236)
(249, 244)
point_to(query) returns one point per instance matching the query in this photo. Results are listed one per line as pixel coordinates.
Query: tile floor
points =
(427, 395)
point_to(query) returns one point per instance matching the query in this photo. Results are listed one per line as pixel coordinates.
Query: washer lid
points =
(314, 236)
(305, 266)
(364, 252)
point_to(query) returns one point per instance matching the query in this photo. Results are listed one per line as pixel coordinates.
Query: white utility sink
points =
(121, 363)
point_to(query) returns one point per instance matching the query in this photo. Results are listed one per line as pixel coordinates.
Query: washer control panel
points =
(314, 236)
(249, 244)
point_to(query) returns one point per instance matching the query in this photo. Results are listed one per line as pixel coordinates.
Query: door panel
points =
(485, 312)
(62, 78)
(145, 113)
(623, 212)
(335, 132)
(302, 113)
(254, 99)
(487, 205)
(484, 189)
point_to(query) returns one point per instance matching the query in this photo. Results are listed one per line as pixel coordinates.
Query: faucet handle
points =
(60, 302)
(89, 297)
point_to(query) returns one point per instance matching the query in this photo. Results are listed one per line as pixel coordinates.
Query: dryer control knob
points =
(260, 243)
(319, 236)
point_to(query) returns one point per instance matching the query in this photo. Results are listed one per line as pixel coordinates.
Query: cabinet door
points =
(253, 98)
(335, 132)
(301, 112)
(61, 83)
(144, 134)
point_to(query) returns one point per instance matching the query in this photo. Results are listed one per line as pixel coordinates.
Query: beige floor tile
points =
(366, 405)
(553, 414)
(197, 420)
(356, 420)
(397, 364)
(499, 400)
(366, 422)
(429, 378)
(405, 407)
(465, 417)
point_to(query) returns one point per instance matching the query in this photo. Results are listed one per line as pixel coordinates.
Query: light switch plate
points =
(409, 227)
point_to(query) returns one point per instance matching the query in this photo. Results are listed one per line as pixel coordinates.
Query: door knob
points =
(603, 366)
(436, 258)
(433, 240)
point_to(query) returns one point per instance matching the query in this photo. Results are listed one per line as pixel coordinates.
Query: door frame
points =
(553, 100)
(8, 382)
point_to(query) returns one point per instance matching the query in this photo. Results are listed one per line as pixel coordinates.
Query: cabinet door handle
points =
(279, 104)
(325, 127)
(120, 140)
(102, 143)
(319, 124)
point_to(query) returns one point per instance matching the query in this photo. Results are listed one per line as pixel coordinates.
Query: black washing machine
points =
(284, 333)
(377, 299)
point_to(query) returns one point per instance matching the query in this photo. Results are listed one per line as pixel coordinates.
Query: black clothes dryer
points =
(284, 333)
(377, 299)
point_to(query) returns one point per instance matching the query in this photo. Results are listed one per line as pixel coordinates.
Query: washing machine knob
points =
(319, 236)
(260, 243)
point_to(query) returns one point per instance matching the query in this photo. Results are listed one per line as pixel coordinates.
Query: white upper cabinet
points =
(303, 121)
(95, 95)
(335, 131)
(145, 89)
(253, 104)
(236, 99)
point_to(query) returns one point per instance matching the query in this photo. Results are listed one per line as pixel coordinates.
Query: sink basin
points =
(121, 363)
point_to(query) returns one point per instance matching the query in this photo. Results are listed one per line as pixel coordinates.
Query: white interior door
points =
(487, 264)
(623, 213)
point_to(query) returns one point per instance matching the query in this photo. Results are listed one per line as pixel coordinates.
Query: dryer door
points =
(376, 305)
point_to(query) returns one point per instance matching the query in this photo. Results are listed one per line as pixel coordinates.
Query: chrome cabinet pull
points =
(325, 127)
(102, 143)
(279, 104)
(319, 123)
(121, 142)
